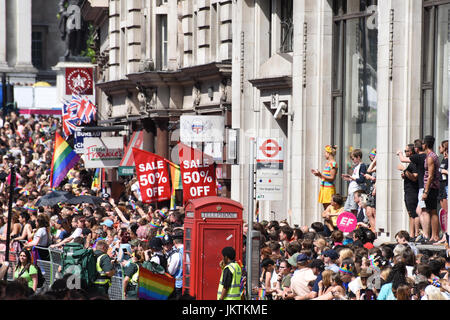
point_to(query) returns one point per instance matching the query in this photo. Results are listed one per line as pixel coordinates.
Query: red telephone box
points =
(210, 224)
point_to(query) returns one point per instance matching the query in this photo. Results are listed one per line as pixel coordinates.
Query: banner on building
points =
(79, 81)
(204, 132)
(79, 139)
(152, 175)
(106, 152)
(198, 173)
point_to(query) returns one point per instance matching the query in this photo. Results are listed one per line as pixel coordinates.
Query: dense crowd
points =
(128, 231)
(321, 262)
(308, 262)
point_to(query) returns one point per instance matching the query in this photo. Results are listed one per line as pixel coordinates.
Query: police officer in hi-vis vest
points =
(230, 280)
(105, 268)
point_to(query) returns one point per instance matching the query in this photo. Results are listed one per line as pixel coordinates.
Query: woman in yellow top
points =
(25, 269)
(332, 212)
(327, 176)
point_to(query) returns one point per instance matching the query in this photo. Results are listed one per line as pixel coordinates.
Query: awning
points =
(126, 166)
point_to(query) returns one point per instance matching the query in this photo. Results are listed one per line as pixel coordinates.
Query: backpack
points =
(78, 260)
(153, 267)
(41, 278)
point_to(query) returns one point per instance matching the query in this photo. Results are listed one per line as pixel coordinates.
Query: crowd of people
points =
(125, 233)
(425, 180)
(310, 262)
(321, 262)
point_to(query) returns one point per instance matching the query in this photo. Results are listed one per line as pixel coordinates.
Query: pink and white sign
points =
(443, 215)
(346, 222)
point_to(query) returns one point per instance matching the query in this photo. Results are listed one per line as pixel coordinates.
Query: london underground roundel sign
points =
(269, 150)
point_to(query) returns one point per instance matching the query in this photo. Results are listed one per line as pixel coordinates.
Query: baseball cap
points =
(293, 259)
(302, 257)
(108, 222)
(331, 254)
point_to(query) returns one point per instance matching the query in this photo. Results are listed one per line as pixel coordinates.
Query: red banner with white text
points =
(152, 175)
(198, 173)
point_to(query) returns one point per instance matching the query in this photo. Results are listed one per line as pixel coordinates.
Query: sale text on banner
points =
(197, 173)
(152, 175)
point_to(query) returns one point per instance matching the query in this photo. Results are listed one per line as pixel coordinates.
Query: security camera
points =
(282, 106)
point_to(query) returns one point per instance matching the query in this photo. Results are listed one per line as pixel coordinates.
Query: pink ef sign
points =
(346, 222)
(443, 219)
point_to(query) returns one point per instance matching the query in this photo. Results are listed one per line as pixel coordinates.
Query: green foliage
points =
(90, 44)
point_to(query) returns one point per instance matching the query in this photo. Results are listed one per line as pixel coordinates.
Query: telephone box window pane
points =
(188, 233)
(188, 282)
(188, 245)
(188, 263)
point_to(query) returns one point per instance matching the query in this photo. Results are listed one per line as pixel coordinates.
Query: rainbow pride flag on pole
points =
(154, 286)
(64, 158)
(96, 180)
(177, 184)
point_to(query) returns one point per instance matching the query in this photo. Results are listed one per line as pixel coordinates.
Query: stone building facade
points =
(30, 42)
(159, 60)
(353, 73)
(359, 74)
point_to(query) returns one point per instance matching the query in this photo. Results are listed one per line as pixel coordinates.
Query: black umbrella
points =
(54, 198)
(86, 199)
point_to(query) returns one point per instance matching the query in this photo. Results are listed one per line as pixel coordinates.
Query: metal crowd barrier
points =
(49, 270)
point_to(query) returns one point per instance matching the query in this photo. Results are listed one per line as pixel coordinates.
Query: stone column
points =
(203, 32)
(149, 135)
(398, 91)
(162, 137)
(114, 40)
(3, 62)
(23, 33)
(226, 10)
(134, 38)
(298, 126)
(187, 27)
(317, 102)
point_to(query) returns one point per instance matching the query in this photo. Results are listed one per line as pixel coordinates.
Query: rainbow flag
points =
(177, 184)
(96, 180)
(155, 224)
(64, 158)
(30, 207)
(261, 294)
(24, 192)
(154, 286)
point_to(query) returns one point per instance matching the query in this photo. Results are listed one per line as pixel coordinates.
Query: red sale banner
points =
(152, 175)
(198, 173)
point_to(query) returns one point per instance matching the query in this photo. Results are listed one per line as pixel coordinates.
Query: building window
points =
(354, 80)
(435, 69)
(37, 48)
(287, 26)
(162, 41)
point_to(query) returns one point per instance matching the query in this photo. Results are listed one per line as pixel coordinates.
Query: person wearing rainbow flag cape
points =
(230, 280)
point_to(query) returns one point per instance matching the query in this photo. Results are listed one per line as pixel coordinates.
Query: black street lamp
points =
(12, 166)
